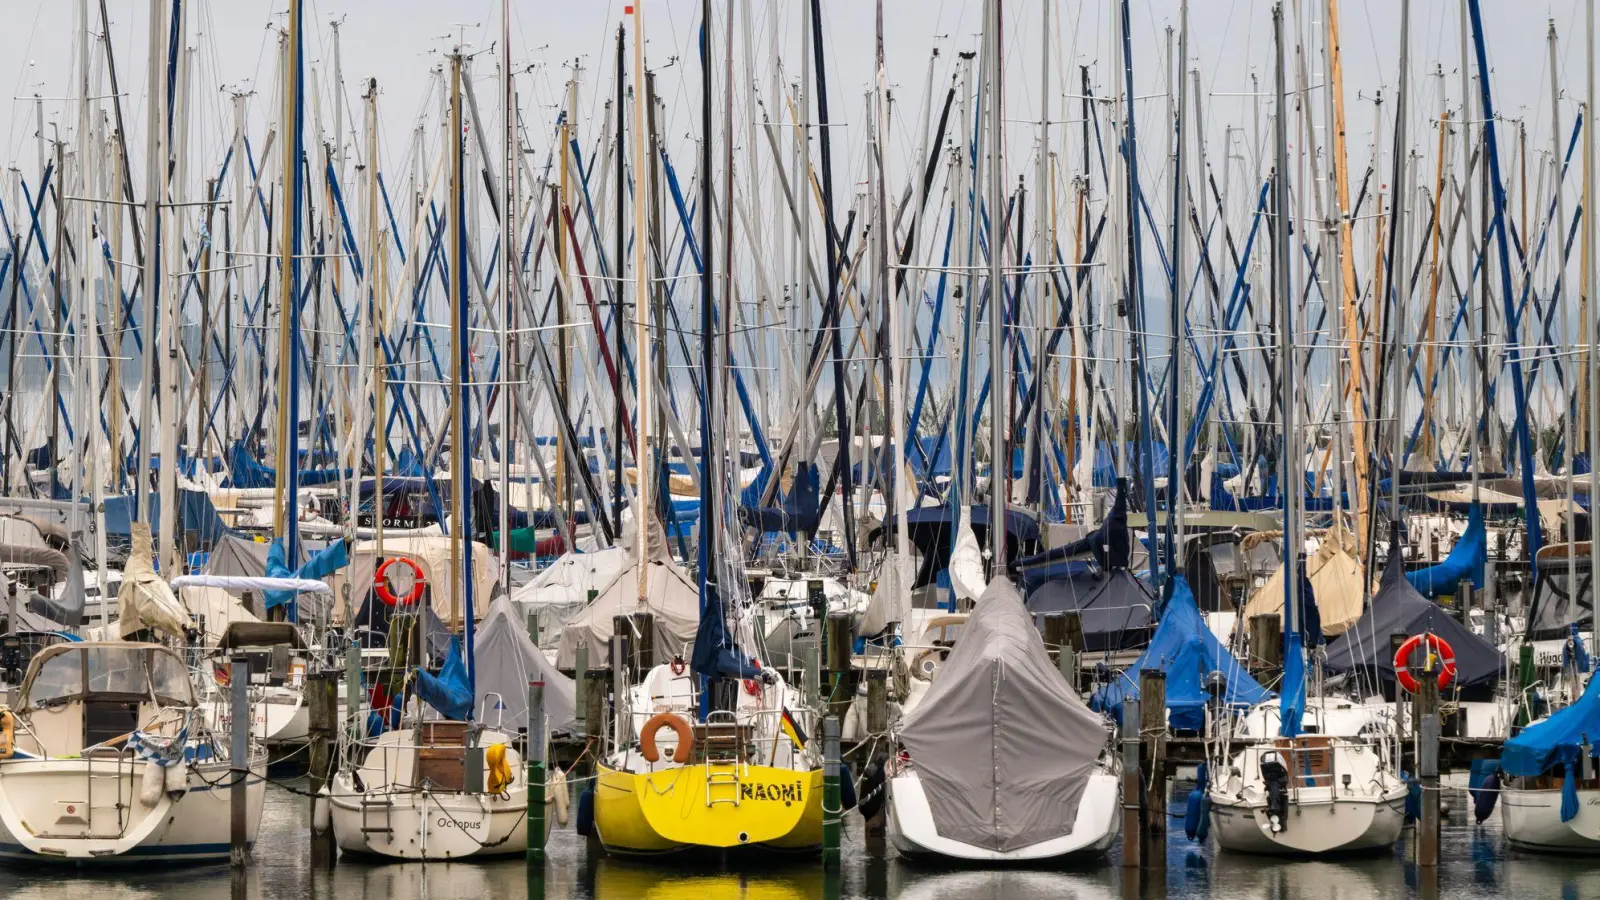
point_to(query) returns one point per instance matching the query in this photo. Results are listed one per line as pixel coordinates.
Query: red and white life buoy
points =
(1437, 647)
(380, 582)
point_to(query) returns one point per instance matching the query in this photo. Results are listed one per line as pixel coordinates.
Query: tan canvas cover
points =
(670, 596)
(432, 553)
(1335, 572)
(144, 600)
(1002, 744)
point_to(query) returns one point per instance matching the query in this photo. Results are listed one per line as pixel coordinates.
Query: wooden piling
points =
(322, 708)
(1266, 642)
(877, 701)
(1428, 769)
(839, 641)
(1131, 843)
(1153, 764)
(239, 760)
(1055, 634)
(580, 688)
(536, 757)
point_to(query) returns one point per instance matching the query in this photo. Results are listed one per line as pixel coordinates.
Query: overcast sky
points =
(399, 41)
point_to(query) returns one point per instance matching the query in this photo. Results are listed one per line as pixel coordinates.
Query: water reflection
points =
(1476, 863)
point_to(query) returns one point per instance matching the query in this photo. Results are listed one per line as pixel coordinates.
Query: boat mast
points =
(899, 499)
(1399, 274)
(999, 460)
(1351, 321)
(1291, 479)
(151, 278)
(286, 502)
(1177, 440)
(641, 305)
(508, 271)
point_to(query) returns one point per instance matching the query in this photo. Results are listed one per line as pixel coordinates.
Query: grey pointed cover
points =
(235, 555)
(506, 660)
(1002, 745)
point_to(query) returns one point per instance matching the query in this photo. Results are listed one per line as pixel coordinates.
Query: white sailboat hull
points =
(1532, 821)
(912, 830)
(1317, 823)
(424, 825)
(83, 812)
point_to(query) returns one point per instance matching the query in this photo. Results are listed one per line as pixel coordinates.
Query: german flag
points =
(793, 730)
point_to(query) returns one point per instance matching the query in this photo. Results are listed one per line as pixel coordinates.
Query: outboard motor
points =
(1276, 775)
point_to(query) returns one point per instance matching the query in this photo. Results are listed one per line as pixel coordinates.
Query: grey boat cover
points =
(506, 661)
(670, 596)
(235, 555)
(1002, 745)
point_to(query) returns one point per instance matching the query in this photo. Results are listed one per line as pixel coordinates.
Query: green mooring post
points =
(536, 774)
(832, 814)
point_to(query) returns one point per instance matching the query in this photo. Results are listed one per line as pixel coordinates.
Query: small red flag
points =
(627, 10)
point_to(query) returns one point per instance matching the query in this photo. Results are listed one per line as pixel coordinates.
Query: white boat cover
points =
(891, 598)
(1003, 746)
(670, 595)
(560, 591)
(214, 607)
(966, 561)
(506, 662)
(145, 600)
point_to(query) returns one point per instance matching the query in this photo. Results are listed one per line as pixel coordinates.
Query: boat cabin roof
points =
(107, 670)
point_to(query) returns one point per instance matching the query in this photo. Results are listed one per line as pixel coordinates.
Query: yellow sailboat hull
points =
(708, 807)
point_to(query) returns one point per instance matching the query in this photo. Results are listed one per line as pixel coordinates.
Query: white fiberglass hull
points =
(83, 812)
(1317, 823)
(1533, 821)
(913, 833)
(422, 825)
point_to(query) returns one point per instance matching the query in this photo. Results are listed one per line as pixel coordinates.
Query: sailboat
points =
(108, 758)
(1052, 777)
(738, 770)
(1549, 795)
(1297, 792)
(443, 787)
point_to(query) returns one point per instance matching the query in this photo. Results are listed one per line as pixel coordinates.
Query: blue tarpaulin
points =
(325, 562)
(1186, 650)
(448, 691)
(1466, 560)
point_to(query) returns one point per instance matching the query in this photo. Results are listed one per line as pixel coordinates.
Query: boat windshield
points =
(70, 672)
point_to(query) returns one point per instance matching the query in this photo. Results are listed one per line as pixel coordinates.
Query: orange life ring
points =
(8, 733)
(380, 582)
(1437, 646)
(647, 737)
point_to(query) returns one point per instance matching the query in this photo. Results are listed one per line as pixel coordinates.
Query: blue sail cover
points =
(798, 512)
(1466, 560)
(1187, 651)
(715, 653)
(448, 692)
(325, 562)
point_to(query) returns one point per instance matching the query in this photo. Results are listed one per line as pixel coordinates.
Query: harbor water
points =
(1475, 863)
